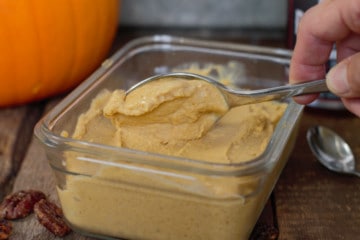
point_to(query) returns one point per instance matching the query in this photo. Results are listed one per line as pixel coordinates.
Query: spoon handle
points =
(291, 90)
(241, 97)
(309, 87)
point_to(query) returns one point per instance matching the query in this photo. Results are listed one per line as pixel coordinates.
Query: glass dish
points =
(111, 192)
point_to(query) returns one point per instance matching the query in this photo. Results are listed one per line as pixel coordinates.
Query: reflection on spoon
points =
(331, 150)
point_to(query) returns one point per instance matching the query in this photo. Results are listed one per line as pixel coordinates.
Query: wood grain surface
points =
(312, 202)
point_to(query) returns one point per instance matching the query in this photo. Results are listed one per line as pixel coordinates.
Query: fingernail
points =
(336, 79)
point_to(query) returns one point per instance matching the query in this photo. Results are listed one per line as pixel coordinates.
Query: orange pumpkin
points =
(49, 46)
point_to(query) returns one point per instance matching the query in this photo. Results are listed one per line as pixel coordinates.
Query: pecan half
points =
(19, 204)
(265, 232)
(5, 229)
(51, 217)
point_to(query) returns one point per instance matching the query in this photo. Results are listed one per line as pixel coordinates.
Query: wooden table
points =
(308, 202)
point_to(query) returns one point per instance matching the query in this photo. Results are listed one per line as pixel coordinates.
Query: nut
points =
(19, 204)
(5, 229)
(51, 217)
(265, 232)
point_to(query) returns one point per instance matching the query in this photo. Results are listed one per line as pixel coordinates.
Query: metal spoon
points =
(331, 150)
(242, 97)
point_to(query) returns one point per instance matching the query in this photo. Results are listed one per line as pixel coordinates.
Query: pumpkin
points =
(48, 47)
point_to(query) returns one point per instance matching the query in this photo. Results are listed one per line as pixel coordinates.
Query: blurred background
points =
(205, 13)
(231, 18)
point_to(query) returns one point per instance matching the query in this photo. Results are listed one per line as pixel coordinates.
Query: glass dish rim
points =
(44, 133)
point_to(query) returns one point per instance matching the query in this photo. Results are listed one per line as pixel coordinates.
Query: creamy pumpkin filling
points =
(180, 118)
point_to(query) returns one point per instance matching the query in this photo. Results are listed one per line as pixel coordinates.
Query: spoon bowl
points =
(242, 97)
(331, 150)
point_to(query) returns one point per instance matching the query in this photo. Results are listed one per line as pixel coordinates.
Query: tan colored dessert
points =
(189, 119)
(180, 118)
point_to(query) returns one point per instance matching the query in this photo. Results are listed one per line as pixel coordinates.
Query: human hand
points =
(331, 21)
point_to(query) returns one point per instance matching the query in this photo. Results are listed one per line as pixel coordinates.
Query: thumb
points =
(344, 79)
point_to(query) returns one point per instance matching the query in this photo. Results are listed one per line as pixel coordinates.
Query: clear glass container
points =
(111, 192)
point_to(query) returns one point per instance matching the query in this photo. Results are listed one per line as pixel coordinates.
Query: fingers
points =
(330, 22)
(319, 28)
(306, 99)
(353, 105)
(344, 81)
(344, 78)
(315, 39)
